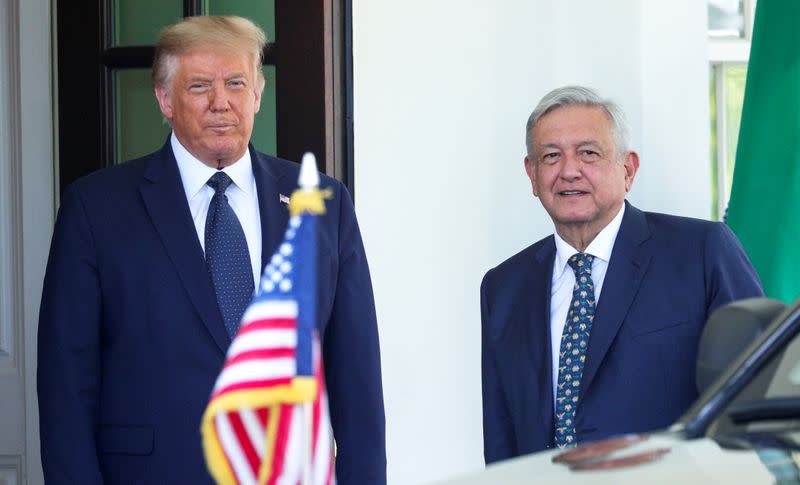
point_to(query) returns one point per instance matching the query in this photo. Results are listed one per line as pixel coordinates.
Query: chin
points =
(223, 151)
(576, 218)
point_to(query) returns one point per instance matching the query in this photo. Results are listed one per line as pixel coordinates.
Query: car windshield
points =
(767, 409)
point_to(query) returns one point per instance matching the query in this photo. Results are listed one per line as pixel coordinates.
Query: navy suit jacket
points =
(131, 338)
(666, 275)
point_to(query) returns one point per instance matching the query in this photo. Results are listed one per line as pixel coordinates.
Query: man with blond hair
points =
(152, 264)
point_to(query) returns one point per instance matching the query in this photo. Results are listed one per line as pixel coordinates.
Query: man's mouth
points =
(221, 127)
(572, 192)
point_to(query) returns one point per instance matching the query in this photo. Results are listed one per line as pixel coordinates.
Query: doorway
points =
(107, 112)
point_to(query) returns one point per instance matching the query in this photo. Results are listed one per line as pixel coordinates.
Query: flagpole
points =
(308, 181)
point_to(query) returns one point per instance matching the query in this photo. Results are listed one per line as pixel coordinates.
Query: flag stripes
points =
(268, 422)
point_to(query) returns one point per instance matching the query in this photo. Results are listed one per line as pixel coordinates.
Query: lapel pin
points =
(284, 199)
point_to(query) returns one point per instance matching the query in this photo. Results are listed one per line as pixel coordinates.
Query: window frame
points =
(313, 56)
(723, 52)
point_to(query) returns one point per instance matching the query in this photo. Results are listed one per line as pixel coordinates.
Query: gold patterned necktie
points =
(572, 353)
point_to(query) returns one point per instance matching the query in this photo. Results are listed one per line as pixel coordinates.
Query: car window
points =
(786, 380)
(778, 379)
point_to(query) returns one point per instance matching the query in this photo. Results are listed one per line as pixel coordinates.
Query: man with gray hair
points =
(560, 364)
(153, 263)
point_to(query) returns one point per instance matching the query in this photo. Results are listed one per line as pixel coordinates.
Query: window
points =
(730, 26)
(107, 112)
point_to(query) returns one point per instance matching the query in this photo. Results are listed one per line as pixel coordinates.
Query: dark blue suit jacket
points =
(667, 274)
(131, 339)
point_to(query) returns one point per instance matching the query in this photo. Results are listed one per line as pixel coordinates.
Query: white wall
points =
(442, 92)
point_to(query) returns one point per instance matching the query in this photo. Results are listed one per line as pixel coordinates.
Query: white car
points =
(743, 429)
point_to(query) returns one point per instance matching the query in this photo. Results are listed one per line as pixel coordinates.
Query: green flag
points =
(765, 197)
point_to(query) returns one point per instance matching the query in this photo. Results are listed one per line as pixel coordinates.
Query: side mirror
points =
(728, 331)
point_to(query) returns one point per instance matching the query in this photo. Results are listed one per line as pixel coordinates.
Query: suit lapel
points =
(271, 183)
(165, 201)
(539, 342)
(626, 269)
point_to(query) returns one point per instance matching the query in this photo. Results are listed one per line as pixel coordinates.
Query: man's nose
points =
(571, 167)
(218, 98)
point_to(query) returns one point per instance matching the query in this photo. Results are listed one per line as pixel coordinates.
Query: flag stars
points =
(294, 225)
(277, 271)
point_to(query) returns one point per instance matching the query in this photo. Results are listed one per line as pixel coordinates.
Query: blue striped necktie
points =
(572, 354)
(227, 256)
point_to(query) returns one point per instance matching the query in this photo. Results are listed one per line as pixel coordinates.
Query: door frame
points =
(28, 197)
(313, 59)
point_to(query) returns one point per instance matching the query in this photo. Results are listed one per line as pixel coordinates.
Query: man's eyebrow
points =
(579, 143)
(198, 77)
(549, 145)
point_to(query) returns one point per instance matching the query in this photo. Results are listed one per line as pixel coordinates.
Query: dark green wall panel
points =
(138, 22)
(261, 12)
(139, 125)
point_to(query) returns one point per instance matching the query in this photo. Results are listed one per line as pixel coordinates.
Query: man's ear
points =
(631, 165)
(530, 169)
(258, 99)
(259, 85)
(164, 101)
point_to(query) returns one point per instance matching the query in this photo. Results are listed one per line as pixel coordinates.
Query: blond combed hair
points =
(208, 32)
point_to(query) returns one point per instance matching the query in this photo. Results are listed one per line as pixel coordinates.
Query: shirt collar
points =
(195, 173)
(600, 247)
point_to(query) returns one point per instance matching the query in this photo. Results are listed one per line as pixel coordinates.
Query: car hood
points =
(653, 459)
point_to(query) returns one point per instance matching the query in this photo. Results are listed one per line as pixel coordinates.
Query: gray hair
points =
(580, 96)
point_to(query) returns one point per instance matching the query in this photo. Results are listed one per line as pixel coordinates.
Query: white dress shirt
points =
(242, 197)
(564, 281)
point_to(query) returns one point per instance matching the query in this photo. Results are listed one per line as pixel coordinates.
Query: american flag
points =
(267, 421)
